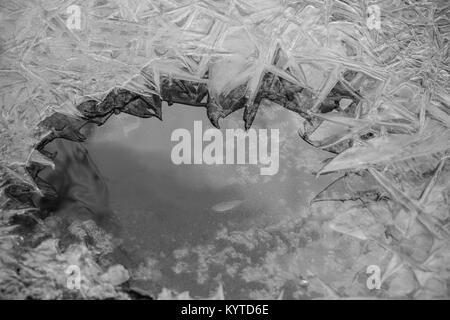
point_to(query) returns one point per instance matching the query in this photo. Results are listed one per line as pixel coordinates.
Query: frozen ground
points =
(376, 100)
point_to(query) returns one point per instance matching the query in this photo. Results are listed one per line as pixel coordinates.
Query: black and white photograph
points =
(237, 150)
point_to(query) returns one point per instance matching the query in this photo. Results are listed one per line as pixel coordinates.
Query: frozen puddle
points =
(189, 227)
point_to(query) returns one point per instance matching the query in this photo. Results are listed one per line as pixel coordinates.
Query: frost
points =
(377, 100)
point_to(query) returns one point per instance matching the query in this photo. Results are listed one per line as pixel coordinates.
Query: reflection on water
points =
(125, 172)
(81, 189)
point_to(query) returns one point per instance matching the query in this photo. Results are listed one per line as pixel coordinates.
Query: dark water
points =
(125, 174)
